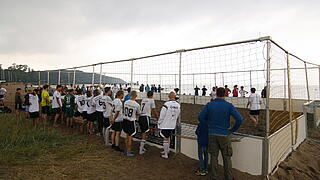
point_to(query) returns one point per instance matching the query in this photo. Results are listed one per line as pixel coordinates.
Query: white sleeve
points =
(153, 105)
(163, 113)
(138, 109)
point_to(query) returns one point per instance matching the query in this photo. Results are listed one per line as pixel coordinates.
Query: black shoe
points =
(113, 146)
(117, 148)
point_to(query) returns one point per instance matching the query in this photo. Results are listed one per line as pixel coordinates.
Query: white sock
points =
(166, 148)
(142, 143)
(103, 133)
(106, 137)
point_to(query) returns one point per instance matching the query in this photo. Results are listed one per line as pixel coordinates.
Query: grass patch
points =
(20, 142)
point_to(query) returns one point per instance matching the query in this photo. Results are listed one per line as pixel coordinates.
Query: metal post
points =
(178, 146)
(307, 82)
(250, 79)
(194, 97)
(222, 76)
(48, 81)
(290, 99)
(265, 148)
(59, 76)
(175, 81)
(160, 86)
(69, 78)
(318, 81)
(39, 78)
(100, 79)
(74, 77)
(215, 79)
(93, 75)
(284, 91)
(131, 80)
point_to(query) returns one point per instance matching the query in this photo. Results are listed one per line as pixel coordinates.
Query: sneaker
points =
(130, 154)
(142, 152)
(200, 173)
(117, 148)
(113, 146)
(165, 156)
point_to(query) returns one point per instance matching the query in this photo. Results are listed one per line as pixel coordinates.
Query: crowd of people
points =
(114, 112)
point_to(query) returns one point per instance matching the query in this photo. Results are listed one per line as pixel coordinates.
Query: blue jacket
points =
(202, 134)
(216, 114)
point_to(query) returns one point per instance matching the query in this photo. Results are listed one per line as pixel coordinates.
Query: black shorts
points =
(18, 106)
(106, 123)
(254, 112)
(56, 110)
(45, 110)
(91, 117)
(117, 126)
(1, 96)
(34, 115)
(166, 133)
(144, 122)
(99, 116)
(77, 114)
(129, 127)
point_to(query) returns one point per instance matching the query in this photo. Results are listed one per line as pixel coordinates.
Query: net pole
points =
(48, 77)
(59, 76)
(222, 76)
(39, 78)
(284, 91)
(250, 79)
(290, 99)
(92, 76)
(307, 82)
(178, 145)
(319, 83)
(74, 77)
(160, 86)
(100, 78)
(131, 80)
(215, 79)
(69, 78)
(193, 86)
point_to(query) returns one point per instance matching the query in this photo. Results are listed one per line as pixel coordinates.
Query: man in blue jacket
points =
(216, 114)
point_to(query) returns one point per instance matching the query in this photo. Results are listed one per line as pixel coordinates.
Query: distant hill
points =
(21, 75)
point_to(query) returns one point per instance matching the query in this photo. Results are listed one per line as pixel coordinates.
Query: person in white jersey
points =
(213, 93)
(117, 120)
(147, 106)
(3, 92)
(57, 105)
(169, 114)
(115, 89)
(131, 111)
(254, 102)
(81, 109)
(34, 107)
(242, 92)
(91, 112)
(100, 104)
(107, 115)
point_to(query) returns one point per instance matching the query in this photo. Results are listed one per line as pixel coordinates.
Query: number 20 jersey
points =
(131, 109)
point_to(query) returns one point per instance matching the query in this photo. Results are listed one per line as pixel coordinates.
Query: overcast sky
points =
(63, 33)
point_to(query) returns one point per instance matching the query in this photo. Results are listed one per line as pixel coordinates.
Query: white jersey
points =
(115, 89)
(99, 103)
(34, 103)
(242, 93)
(255, 101)
(90, 106)
(3, 91)
(56, 97)
(147, 104)
(131, 109)
(118, 107)
(108, 111)
(81, 103)
(213, 94)
(169, 114)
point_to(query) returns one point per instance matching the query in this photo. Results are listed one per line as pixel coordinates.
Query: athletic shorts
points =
(166, 133)
(45, 110)
(99, 116)
(77, 114)
(84, 115)
(117, 126)
(69, 112)
(106, 123)
(129, 127)
(34, 115)
(18, 106)
(254, 112)
(56, 110)
(144, 122)
(1, 96)
(91, 117)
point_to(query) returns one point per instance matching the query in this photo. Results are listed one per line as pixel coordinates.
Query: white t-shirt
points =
(118, 107)
(147, 104)
(90, 106)
(255, 101)
(34, 103)
(3, 91)
(81, 103)
(213, 94)
(56, 96)
(169, 114)
(131, 109)
(99, 103)
(242, 93)
(108, 111)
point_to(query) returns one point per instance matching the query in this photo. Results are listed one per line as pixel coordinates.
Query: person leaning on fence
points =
(216, 115)
(169, 114)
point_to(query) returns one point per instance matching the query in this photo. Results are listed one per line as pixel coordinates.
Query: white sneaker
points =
(141, 152)
(165, 156)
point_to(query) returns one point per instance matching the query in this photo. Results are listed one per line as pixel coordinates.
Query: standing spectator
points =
(213, 93)
(69, 100)
(202, 139)
(18, 101)
(45, 103)
(117, 121)
(254, 101)
(228, 91)
(147, 88)
(204, 91)
(264, 92)
(57, 105)
(83, 89)
(243, 92)
(235, 91)
(141, 88)
(196, 91)
(34, 107)
(216, 115)
(159, 88)
(25, 88)
(128, 96)
(169, 114)
(3, 92)
(27, 103)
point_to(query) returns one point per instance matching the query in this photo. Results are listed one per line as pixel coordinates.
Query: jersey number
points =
(128, 112)
(143, 104)
(103, 104)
